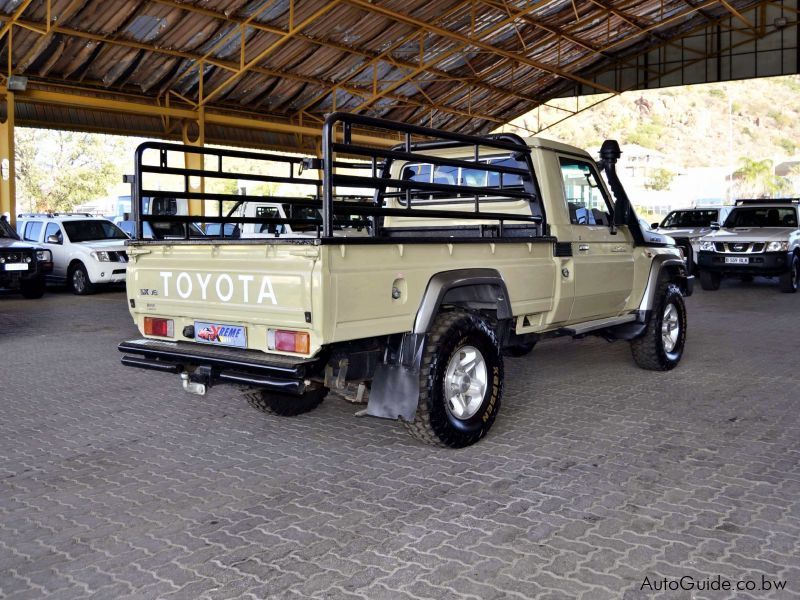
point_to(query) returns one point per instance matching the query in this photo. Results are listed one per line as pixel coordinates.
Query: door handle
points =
(583, 247)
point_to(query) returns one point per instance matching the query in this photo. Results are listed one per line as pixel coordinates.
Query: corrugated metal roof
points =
(463, 65)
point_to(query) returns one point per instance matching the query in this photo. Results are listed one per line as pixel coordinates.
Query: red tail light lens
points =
(288, 341)
(159, 327)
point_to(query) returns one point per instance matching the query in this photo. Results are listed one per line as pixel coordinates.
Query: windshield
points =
(6, 231)
(762, 217)
(94, 229)
(690, 218)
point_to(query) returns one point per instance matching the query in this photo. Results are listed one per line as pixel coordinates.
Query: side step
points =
(590, 326)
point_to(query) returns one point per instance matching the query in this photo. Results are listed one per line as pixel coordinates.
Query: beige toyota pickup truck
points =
(423, 265)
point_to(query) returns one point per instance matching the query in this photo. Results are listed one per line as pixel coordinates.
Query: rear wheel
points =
(285, 405)
(791, 279)
(79, 281)
(710, 281)
(32, 288)
(661, 346)
(461, 382)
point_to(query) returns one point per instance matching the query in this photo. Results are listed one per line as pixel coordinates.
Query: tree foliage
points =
(58, 170)
(756, 178)
(660, 180)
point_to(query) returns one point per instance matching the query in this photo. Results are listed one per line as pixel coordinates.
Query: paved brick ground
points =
(114, 483)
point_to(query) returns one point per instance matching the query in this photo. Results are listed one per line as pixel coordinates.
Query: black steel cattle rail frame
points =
(336, 210)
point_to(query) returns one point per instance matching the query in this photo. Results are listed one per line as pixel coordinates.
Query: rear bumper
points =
(212, 366)
(765, 263)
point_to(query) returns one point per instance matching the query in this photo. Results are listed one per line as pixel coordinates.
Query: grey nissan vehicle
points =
(759, 237)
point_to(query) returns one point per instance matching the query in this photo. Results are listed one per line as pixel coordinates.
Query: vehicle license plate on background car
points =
(220, 334)
(16, 267)
(736, 260)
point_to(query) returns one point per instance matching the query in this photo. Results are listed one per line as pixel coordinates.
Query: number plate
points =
(220, 334)
(16, 267)
(737, 260)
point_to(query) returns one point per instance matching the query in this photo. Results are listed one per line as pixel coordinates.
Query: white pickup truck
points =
(475, 247)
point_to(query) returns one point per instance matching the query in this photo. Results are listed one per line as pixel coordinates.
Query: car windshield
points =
(689, 218)
(93, 229)
(6, 231)
(767, 216)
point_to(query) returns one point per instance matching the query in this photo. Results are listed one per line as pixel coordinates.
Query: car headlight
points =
(707, 247)
(101, 255)
(777, 246)
(44, 256)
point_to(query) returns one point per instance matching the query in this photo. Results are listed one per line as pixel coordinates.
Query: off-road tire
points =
(518, 350)
(285, 405)
(74, 284)
(32, 288)
(434, 424)
(790, 280)
(648, 349)
(709, 280)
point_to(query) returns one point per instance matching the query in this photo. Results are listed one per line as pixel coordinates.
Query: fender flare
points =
(661, 262)
(487, 286)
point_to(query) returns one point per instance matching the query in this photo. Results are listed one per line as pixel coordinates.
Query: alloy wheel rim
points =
(79, 280)
(465, 382)
(670, 328)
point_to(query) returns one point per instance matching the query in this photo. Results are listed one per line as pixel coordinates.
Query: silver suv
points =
(759, 237)
(687, 226)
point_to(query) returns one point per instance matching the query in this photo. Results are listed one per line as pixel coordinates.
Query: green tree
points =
(756, 178)
(660, 180)
(58, 170)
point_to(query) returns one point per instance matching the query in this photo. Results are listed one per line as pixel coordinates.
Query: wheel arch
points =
(671, 266)
(73, 263)
(472, 289)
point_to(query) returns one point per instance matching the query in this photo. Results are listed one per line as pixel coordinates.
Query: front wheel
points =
(791, 279)
(79, 281)
(710, 281)
(285, 405)
(661, 346)
(461, 382)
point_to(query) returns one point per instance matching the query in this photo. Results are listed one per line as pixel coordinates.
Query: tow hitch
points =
(191, 386)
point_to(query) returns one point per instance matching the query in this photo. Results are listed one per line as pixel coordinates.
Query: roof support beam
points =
(467, 41)
(293, 29)
(111, 104)
(232, 67)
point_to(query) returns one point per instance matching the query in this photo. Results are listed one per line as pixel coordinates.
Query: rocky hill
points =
(697, 126)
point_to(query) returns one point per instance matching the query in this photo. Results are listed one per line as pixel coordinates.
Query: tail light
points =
(288, 341)
(159, 327)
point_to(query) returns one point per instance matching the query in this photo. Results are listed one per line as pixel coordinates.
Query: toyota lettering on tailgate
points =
(223, 286)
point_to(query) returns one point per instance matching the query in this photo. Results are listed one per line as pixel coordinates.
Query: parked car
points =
(22, 265)
(687, 226)
(87, 251)
(759, 237)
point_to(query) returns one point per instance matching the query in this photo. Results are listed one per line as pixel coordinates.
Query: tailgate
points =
(240, 285)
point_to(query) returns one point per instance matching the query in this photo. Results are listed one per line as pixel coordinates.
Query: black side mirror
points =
(715, 226)
(654, 225)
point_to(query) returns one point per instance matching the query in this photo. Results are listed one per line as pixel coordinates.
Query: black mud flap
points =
(395, 386)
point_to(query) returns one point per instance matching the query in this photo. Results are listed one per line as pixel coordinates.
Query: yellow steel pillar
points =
(194, 133)
(8, 199)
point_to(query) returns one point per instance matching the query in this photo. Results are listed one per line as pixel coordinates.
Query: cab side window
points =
(53, 229)
(586, 198)
(32, 231)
